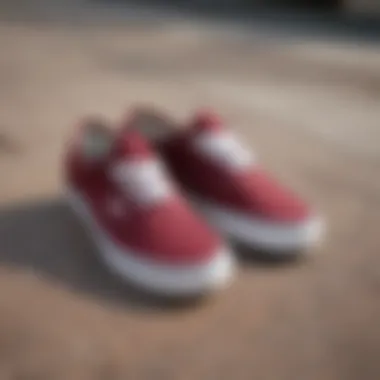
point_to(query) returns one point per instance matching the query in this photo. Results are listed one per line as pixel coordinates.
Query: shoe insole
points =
(154, 125)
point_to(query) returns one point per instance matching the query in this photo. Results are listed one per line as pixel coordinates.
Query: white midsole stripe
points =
(279, 237)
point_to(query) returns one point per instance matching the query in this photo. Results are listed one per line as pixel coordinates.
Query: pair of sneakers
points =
(157, 199)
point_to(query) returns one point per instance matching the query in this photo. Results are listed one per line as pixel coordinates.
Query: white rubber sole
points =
(278, 238)
(157, 278)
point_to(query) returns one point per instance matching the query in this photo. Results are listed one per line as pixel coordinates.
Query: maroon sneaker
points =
(145, 230)
(234, 192)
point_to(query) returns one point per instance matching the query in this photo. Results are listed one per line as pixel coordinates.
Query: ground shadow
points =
(289, 20)
(322, 19)
(266, 258)
(45, 237)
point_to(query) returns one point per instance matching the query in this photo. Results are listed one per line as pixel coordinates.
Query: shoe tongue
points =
(207, 121)
(131, 145)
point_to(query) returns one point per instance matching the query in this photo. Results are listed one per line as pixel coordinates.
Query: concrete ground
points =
(311, 111)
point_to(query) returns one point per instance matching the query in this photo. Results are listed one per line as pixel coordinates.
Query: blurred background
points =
(299, 79)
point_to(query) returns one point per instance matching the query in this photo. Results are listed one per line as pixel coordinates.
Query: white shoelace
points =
(225, 149)
(145, 182)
